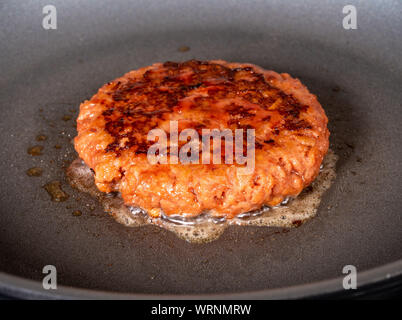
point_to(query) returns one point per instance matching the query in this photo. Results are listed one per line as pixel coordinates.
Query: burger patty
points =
(291, 136)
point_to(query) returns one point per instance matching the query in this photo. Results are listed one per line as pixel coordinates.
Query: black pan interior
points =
(356, 75)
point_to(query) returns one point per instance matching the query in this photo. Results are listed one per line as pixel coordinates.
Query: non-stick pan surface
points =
(45, 74)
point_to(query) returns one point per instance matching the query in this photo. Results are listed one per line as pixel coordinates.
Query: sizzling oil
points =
(55, 191)
(34, 172)
(204, 228)
(35, 150)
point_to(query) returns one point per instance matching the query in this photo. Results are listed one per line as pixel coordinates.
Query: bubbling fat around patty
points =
(291, 136)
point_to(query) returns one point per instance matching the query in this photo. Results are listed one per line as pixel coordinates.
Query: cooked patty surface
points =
(291, 136)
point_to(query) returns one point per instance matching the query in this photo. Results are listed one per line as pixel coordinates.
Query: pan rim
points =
(22, 288)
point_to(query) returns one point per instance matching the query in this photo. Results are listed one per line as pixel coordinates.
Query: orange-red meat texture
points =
(291, 136)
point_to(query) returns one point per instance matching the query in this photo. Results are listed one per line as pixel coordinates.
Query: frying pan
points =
(45, 74)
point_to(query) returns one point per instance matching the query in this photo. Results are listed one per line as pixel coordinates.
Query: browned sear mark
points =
(142, 103)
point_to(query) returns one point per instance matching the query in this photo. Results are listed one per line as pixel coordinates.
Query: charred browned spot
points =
(142, 148)
(249, 74)
(121, 91)
(245, 127)
(114, 146)
(234, 121)
(209, 70)
(239, 111)
(220, 198)
(194, 86)
(193, 64)
(108, 112)
(290, 107)
(247, 69)
(296, 124)
(199, 126)
(270, 141)
(258, 145)
(267, 102)
(170, 64)
(297, 223)
(141, 104)
(267, 118)
(152, 75)
(255, 180)
(122, 172)
(119, 95)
